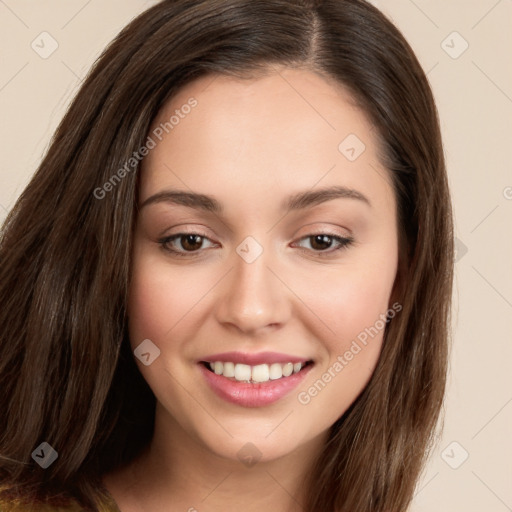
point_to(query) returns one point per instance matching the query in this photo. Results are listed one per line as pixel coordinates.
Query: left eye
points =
(321, 242)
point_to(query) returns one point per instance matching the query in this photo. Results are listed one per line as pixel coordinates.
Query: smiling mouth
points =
(254, 374)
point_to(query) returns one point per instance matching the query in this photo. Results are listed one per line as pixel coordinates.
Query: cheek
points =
(157, 300)
(355, 311)
(349, 301)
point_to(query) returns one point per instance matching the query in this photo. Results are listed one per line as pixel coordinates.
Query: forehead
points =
(277, 133)
(304, 102)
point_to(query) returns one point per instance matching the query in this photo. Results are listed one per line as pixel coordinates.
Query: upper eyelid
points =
(309, 234)
(311, 231)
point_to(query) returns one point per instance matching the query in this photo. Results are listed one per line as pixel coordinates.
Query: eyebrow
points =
(298, 201)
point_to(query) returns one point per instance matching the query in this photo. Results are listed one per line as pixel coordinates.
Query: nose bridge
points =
(253, 297)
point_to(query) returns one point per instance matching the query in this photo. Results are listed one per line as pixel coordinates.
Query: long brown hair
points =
(67, 374)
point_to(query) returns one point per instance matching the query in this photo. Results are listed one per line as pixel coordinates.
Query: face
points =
(266, 244)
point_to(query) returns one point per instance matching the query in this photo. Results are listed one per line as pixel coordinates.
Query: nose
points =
(253, 299)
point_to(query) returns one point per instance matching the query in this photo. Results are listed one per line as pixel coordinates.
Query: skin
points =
(251, 144)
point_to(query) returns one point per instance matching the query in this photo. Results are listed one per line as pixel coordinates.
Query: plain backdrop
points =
(464, 46)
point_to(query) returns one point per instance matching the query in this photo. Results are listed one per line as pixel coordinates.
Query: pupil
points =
(322, 239)
(191, 242)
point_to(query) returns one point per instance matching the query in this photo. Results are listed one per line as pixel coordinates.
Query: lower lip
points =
(253, 395)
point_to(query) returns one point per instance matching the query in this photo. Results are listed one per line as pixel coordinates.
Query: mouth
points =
(255, 374)
(232, 378)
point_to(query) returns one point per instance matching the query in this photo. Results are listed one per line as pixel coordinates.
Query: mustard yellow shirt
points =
(15, 506)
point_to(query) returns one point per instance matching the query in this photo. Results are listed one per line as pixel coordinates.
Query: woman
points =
(228, 283)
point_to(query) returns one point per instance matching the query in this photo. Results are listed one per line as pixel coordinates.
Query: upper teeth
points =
(258, 373)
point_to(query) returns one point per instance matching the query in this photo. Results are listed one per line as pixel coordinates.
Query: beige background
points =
(474, 95)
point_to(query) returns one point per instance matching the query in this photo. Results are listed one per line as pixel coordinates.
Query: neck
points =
(177, 472)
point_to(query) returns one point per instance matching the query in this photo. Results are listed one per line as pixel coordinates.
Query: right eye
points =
(189, 242)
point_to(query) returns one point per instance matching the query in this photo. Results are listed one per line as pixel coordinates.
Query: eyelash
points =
(343, 242)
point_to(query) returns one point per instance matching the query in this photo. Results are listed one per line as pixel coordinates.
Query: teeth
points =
(258, 373)
(276, 371)
(242, 372)
(229, 370)
(288, 369)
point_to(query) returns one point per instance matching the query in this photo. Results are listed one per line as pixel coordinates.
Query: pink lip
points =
(252, 395)
(254, 359)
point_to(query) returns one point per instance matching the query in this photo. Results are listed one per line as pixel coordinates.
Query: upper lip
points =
(253, 359)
